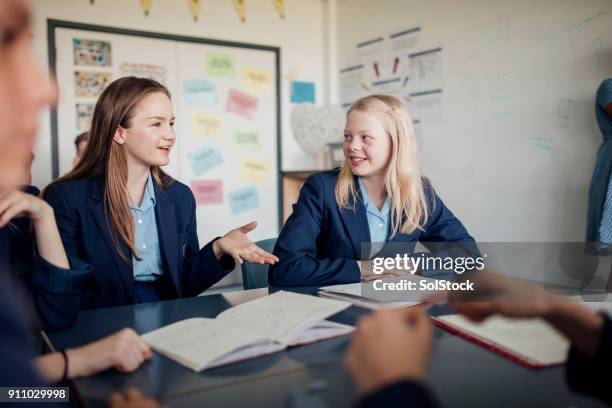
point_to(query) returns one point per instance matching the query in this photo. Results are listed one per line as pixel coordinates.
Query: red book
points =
(529, 342)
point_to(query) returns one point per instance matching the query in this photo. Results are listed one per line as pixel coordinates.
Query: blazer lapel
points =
(123, 267)
(356, 225)
(165, 217)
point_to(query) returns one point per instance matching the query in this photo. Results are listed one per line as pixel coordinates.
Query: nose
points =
(354, 144)
(45, 93)
(170, 136)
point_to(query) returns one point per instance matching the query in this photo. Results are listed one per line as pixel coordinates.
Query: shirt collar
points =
(369, 205)
(148, 199)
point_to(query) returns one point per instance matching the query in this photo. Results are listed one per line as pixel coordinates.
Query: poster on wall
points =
(144, 70)
(84, 113)
(91, 52)
(90, 84)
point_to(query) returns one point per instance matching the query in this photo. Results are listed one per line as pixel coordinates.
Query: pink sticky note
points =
(207, 191)
(241, 104)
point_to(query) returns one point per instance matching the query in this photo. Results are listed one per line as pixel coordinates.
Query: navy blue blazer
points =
(84, 227)
(404, 393)
(320, 242)
(49, 294)
(15, 359)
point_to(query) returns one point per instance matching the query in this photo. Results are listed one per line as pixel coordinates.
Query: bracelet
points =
(65, 356)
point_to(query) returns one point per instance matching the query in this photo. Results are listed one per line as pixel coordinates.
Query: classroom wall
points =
(512, 149)
(300, 36)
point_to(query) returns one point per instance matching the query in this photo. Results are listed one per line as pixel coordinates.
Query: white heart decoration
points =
(314, 127)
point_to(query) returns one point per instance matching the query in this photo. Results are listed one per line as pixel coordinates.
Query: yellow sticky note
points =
(206, 125)
(254, 171)
(257, 80)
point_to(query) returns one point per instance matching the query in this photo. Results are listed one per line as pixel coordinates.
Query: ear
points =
(119, 136)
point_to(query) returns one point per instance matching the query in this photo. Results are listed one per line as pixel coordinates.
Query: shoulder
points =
(73, 189)
(178, 192)
(606, 84)
(75, 185)
(604, 92)
(324, 178)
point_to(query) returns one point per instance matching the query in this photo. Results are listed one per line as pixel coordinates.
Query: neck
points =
(375, 188)
(137, 181)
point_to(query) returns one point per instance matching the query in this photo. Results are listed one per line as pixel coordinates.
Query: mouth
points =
(357, 159)
(165, 148)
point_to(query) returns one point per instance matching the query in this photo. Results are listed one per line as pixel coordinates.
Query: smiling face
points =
(150, 136)
(367, 145)
(24, 91)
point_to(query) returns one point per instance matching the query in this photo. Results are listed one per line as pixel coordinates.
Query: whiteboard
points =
(512, 145)
(227, 147)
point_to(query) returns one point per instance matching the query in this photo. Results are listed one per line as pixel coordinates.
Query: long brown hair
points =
(104, 157)
(403, 180)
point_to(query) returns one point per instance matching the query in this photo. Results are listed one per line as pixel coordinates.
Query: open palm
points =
(239, 246)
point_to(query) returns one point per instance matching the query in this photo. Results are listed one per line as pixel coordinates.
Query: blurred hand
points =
(132, 399)
(389, 346)
(125, 351)
(237, 244)
(16, 203)
(498, 294)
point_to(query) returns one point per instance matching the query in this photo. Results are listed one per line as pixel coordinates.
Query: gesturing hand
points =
(16, 203)
(237, 244)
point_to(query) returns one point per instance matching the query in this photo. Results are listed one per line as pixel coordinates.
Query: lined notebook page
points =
(281, 316)
(197, 342)
(531, 339)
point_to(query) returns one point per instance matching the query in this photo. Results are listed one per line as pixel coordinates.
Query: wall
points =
(512, 149)
(300, 36)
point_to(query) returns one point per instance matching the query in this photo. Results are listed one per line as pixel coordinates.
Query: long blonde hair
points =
(403, 181)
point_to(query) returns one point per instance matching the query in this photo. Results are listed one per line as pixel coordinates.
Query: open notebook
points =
(363, 294)
(530, 342)
(262, 326)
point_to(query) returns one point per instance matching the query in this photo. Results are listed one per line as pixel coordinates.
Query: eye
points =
(366, 137)
(7, 36)
(172, 124)
(157, 124)
(347, 136)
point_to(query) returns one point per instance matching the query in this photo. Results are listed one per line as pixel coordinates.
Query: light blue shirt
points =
(379, 221)
(150, 267)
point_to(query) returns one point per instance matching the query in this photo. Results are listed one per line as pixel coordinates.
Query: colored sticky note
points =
(254, 170)
(302, 92)
(200, 92)
(220, 64)
(207, 191)
(257, 80)
(207, 125)
(241, 104)
(243, 200)
(204, 159)
(246, 139)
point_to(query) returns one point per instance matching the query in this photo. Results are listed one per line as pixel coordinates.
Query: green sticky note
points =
(218, 64)
(246, 139)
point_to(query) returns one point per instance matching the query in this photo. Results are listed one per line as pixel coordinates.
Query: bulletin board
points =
(226, 99)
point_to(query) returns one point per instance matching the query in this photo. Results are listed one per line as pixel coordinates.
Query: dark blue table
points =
(462, 374)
